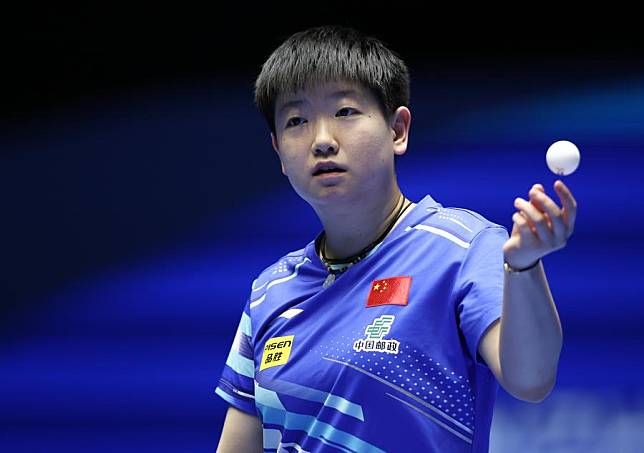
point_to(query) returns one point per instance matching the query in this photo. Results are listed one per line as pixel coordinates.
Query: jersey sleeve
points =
(237, 382)
(481, 286)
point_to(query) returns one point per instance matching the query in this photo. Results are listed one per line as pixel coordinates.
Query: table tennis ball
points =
(563, 157)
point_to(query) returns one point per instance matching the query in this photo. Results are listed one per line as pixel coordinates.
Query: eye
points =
(289, 124)
(347, 108)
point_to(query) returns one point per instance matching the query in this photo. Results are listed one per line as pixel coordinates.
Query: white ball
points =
(563, 157)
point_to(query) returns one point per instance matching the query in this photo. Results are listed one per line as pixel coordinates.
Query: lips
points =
(327, 167)
(322, 172)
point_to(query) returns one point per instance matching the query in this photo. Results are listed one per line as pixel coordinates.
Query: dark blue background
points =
(141, 197)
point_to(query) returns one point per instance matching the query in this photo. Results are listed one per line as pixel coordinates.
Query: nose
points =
(323, 142)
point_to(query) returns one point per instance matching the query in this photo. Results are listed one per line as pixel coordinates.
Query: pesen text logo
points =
(276, 351)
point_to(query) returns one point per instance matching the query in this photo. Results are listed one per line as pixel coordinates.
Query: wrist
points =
(513, 270)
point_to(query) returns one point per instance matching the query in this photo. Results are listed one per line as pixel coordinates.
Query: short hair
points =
(331, 53)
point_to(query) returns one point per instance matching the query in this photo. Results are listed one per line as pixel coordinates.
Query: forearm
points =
(530, 336)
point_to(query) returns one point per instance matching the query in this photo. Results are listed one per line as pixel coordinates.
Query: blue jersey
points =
(385, 358)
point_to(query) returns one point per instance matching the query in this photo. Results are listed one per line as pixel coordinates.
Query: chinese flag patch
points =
(389, 291)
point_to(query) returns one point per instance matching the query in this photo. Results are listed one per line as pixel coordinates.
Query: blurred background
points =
(141, 197)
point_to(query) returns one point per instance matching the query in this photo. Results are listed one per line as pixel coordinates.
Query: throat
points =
(356, 247)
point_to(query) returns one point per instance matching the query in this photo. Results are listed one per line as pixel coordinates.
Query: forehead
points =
(323, 91)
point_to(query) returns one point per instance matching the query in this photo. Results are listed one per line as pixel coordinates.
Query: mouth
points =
(328, 171)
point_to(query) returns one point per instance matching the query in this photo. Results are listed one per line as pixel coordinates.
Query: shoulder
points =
(263, 304)
(282, 268)
(459, 225)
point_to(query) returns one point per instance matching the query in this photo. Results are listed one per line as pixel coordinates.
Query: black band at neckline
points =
(364, 252)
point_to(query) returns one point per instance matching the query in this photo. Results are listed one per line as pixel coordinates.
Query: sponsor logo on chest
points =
(375, 333)
(276, 351)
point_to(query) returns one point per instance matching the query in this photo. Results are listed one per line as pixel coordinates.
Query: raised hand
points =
(540, 225)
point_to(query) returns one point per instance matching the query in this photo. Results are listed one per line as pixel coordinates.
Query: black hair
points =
(332, 53)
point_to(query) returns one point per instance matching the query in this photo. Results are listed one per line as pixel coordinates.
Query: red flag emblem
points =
(389, 291)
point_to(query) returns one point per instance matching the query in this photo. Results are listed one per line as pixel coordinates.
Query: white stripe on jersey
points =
(441, 233)
(459, 223)
(290, 313)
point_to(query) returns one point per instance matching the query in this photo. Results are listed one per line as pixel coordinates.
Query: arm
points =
(522, 348)
(241, 432)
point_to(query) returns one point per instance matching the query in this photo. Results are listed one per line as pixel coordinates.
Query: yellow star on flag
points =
(377, 286)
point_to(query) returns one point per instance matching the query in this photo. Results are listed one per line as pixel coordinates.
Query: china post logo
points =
(380, 327)
(375, 333)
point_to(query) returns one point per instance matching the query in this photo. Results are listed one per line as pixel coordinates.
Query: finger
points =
(540, 188)
(528, 220)
(569, 206)
(524, 227)
(536, 217)
(534, 193)
(552, 212)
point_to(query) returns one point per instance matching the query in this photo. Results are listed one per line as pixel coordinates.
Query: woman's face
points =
(340, 122)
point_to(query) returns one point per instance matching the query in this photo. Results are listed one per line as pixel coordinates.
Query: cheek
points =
(372, 147)
(295, 164)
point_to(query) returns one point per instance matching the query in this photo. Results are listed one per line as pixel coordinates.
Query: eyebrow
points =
(336, 94)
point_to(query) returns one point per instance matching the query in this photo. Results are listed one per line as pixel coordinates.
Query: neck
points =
(350, 229)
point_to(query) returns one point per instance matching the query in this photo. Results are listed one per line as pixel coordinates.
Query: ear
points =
(277, 150)
(400, 129)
